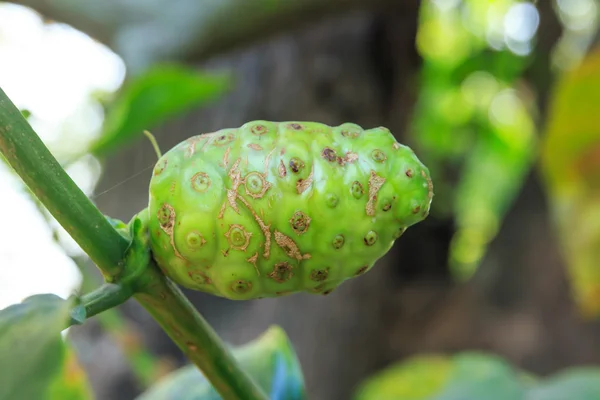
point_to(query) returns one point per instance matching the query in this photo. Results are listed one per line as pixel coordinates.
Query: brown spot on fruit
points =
(350, 157)
(191, 142)
(357, 189)
(253, 260)
(304, 184)
(258, 129)
(300, 222)
(166, 220)
(200, 182)
(199, 277)
(319, 275)
(375, 183)
(329, 154)
(429, 184)
(296, 165)
(266, 229)
(160, 166)
(281, 272)
(195, 240)
(338, 242)
(255, 146)
(352, 134)
(416, 210)
(166, 217)
(289, 246)
(241, 286)
(256, 185)
(378, 156)
(331, 200)
(282, 170)
(224, 139)
(238, 237)
(295, 126)
(370, 238)
(267, 160)
(361, 270)
(226, 157)
(399, 232)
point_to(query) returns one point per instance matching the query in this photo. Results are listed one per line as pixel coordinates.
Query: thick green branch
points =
(40, 171)
(180, 320)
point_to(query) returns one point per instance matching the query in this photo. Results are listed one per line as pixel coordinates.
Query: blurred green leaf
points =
(466, 376)
(152, 98)
(491, 178)
(472, 128)
(31, 347)
(570, 163)
(72, 382)
(574, 383)
(269, 359)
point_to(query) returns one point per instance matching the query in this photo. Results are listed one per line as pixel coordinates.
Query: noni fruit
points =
(270, 208)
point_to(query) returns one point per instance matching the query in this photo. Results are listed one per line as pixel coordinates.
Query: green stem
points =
(186, 327)
(40, 171)
(104, 298)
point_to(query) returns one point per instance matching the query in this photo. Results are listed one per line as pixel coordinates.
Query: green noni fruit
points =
(275, 208)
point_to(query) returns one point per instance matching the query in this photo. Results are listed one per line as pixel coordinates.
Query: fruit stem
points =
(154, 144)
(26, 153)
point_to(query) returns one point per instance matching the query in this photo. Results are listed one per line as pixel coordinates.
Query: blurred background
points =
(498, 98)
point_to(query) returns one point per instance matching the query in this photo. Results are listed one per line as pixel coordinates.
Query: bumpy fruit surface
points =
(275, 208)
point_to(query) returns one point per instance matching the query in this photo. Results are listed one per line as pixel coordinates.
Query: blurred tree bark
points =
(363, 68)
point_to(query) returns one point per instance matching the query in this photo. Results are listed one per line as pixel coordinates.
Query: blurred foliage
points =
(72, 382)
(472, 120)
(270, 360)
(475, 375)
(570, 163)
(35, 361)
(161, 93)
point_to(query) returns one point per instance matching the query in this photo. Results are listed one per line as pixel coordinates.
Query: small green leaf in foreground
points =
(71, 383)
(467, 376)
(581, 383)
(270, 360)
(154, 97)
(31, 347)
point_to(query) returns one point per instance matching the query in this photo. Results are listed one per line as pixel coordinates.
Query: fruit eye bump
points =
(274, 208)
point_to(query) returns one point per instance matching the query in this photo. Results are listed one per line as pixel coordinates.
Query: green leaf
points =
(491, 179)
(71, 383)
(31, 347)
(154, 97)
(581, 383)
(570, 163)
(269, 359)
(465, 376)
